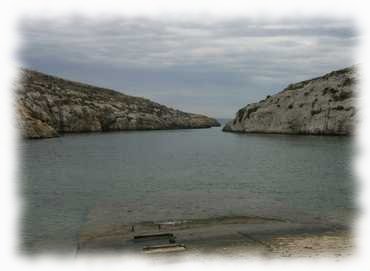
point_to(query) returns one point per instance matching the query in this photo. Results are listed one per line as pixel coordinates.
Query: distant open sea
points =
(92, 180)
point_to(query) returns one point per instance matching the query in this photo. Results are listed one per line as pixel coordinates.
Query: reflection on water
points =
(90, 180)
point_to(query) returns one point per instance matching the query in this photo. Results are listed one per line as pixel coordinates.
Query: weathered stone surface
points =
(48, 106)
(323, 105)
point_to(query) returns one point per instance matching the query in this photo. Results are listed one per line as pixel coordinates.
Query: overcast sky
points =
(204, 66)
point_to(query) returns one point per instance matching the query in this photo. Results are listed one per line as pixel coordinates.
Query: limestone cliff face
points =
(323, 105)
(48, 106)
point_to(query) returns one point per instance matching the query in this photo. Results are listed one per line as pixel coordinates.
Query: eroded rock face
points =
(48, 106)
(323, 105)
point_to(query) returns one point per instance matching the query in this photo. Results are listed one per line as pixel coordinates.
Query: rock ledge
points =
(48, 106)
(323, 105)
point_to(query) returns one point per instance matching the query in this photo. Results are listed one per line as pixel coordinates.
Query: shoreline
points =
(223, 236)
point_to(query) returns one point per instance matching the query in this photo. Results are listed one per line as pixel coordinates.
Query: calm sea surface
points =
(92, 180)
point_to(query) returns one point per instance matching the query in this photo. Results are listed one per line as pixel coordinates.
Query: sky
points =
(201, 65)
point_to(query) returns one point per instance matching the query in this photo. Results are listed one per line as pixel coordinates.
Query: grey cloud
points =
(212, 67)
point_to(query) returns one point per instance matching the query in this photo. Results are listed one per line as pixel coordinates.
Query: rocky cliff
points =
(323, 105)
(48, 106)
